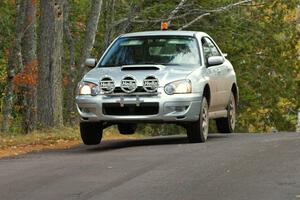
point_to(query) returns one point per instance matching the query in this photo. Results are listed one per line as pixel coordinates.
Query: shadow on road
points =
(165, 140)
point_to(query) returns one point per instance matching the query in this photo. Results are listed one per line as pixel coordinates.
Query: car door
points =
(217, 75)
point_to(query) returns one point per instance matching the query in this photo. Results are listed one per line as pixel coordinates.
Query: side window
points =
(206, 50)
(209, 49)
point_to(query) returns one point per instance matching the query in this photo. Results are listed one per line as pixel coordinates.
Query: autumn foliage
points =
(28, 76)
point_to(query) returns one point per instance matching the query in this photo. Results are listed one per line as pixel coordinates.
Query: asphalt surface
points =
(227, 167)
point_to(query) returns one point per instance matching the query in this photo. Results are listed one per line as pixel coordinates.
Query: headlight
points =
(87, 88)
(179, 87)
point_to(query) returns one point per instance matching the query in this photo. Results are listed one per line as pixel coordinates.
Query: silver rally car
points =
(179, 77)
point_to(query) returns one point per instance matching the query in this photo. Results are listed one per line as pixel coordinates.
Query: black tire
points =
(91, 133)
(198, 131)
(127, 129)
(227, 124)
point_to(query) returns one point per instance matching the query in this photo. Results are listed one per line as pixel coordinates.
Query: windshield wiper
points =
(170, 64)
(149, 63)
(109, 65)
(144, 63)
(155, 63)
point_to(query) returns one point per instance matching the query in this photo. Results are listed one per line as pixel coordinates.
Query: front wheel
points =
(91, 133)
(198, 131)
(227, 124)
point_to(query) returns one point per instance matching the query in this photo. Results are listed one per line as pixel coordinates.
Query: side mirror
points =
(215, 60)
(90, 62)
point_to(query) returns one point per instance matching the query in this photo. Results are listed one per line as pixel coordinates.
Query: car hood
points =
(165, 74)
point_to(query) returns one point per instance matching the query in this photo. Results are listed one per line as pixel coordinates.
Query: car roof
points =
(165, 33)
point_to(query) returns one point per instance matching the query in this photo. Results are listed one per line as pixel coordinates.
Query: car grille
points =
(130, 109)
(138, 89)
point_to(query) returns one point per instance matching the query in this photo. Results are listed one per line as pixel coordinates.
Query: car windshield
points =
(170, 50)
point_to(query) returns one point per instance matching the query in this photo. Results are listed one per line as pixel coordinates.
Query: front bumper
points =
(171, 108)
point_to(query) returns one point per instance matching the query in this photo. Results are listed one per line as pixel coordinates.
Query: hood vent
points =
(137, 68)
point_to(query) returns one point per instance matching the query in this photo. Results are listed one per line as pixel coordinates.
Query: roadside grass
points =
(63, 138)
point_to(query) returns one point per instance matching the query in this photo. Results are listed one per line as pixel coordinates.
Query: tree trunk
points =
(109, 18)
(14, 64)
(30, 69)
(127, 25)
(50, 94)
(91, 30)
(298, 25)
(71, 82)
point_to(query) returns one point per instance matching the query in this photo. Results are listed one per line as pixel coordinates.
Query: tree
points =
(85, 51)
(71, 75)
(261, 42)
(50, 91)
(108, 19)
(14, 64)
(28, 75)
(90, 34)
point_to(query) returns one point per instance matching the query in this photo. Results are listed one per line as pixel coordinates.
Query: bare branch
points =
(127, 21)
(127, 25)
(190, 12)
(193, 21)
(221, 9)
(228, 7)
(176, 10)
(148, 21)
(171, 16)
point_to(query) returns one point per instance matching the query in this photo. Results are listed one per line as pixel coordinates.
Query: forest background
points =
(37, 91)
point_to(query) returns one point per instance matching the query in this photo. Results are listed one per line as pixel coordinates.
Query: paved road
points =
(227, 167)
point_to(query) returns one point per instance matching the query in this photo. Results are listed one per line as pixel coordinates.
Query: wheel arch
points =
(235, 91)
(207, 94)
